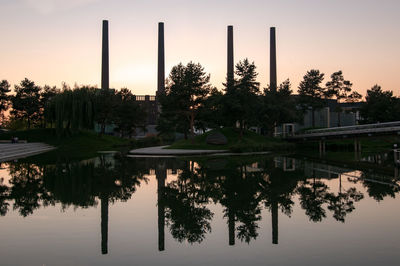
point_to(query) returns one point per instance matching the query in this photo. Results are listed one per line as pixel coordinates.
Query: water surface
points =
(269, 210)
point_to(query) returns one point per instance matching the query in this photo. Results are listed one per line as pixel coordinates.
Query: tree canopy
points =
(186, 90)
(26, 102)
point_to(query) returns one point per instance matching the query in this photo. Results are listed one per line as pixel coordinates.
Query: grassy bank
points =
(250, 142)
(82, 145)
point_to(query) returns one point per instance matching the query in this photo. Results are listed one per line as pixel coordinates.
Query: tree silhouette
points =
(4, 196)
(380, 106)
(185, 93)
(186, 214)
(48, 113)
(278, 107)
(241, 100)
(26, 101)
(343, 203)
(128, 114)
(312, 196)
(4, 97)
(26, 187)
(311, 93)
(340, 89)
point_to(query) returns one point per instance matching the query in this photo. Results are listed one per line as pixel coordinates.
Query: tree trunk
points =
(338, 117)
(29, 123)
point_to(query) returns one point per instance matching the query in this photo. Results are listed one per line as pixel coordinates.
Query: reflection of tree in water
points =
(241, 197)
(76, 184)
(378, 191)
(4, 191)
(278, 188)
(234, 186)
(27, 189)
(312, 197)
(185, 212)
(343, 203)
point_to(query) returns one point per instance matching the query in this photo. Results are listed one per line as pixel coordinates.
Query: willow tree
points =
(74, 109)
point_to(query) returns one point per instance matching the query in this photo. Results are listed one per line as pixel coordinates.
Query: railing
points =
(143, 98)
(358, 127)
(370, 129)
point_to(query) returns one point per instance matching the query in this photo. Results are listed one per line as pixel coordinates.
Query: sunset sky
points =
(51, 41)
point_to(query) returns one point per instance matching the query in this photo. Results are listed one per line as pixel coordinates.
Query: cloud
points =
(50, 6)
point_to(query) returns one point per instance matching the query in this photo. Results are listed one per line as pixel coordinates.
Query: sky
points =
(55, 41)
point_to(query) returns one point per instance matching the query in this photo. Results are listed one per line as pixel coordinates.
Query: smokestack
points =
(161, 60)
(104, 58)
(230, 58)
(272, 60)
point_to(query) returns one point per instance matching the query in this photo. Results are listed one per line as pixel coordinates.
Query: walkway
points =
(11, 151)
(349, 131)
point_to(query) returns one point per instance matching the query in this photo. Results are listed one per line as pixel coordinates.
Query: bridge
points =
(355, 132)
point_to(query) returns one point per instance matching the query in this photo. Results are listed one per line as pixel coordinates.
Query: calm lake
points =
(269, 210)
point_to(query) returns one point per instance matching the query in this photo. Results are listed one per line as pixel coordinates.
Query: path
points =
(11, 151)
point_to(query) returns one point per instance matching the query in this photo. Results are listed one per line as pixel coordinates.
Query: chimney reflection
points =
(161, 175)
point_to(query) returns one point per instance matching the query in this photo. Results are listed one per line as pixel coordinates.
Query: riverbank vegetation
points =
(246, 141)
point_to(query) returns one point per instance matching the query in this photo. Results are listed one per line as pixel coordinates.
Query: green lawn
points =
(250, 142)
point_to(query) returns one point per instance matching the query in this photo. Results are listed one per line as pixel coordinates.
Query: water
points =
(268, 210)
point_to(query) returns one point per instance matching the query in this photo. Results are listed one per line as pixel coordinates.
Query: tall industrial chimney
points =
(272, 60)
(230, 58)
(104, 58)
(161, 60)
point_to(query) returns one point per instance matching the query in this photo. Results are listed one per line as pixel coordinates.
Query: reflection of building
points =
(104, 225)
(161, 176)
(274, 218)
(286, 163)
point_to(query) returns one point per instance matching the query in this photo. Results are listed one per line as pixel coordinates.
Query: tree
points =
(278, 107)
(26, 102)
(340, 89)
(128, 114)
(4, 98)
(311, 93)
(73, 109)
(46, 95)
(186, 91)
(210, 114)
(105, 103)
(380, 106)
(241, 101)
